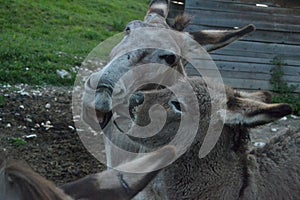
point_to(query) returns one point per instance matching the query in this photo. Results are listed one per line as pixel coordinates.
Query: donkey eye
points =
(170, 59)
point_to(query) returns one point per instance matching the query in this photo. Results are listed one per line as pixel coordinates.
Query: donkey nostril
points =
(170, 59)
(103, 102)
(127, 30)
(135, 100)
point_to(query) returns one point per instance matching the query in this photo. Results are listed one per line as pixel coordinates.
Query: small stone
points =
(21, 106)
(295, 117)
(22, 127)
(37, 126)
(48, 106)
(63, 74)
(71, 127)
(259, 144)
(28, 119)
(283, 119)
(23, 93)
(274, 129)
(30, 136)
(8, 125)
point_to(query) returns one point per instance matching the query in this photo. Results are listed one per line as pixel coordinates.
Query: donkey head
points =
(243, 110)
(150, 41)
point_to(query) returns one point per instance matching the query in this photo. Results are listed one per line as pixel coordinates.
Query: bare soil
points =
(57, 152)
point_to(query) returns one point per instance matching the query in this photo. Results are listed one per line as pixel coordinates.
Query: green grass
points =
(2, 101)
(38, 37)
(17, 142)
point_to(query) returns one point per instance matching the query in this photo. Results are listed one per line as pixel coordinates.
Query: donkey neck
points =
(222, 174)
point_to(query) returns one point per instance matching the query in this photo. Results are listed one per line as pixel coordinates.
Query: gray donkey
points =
(230, 170)
(139, 48)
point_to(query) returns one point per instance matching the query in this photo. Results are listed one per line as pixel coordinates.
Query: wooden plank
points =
(257, 76)
(285, 19)
(252, 67)
(257, 68)
(281, 37)
(240, 7)
(276, 4)
(253, 54)
(175, 13)
(257, 60)
(248, 84)
(259, 47)
(222, 19)
(251, 84)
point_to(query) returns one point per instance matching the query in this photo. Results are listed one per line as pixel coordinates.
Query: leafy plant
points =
(2, 101)
(285, 93)
(17, 142)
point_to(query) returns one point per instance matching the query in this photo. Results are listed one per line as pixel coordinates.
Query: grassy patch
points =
(38, 37)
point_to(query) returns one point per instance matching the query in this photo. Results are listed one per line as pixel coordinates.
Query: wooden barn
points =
(247, 63)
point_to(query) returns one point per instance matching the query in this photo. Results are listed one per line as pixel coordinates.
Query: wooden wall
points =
(246, 64)
(176, 8)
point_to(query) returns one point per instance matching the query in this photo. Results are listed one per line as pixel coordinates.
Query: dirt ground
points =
(56, 152)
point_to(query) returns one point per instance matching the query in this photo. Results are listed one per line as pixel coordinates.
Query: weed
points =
(17, 142)
(285, 93)
(2, 101)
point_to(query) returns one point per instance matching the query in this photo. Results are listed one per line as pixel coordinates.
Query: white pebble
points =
(30, 136)
(28, 119)
(274, 129)
(8, 125)
(259, 144)
(21, 106)
(295, 117)
(48, 106)
(283, 119)
(63, 74)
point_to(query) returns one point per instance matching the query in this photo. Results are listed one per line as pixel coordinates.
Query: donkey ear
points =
(160, 7)
(262, 96)
(215, 39)
(116, 185)
(251, 113)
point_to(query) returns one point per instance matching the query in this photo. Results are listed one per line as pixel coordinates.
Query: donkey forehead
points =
(152, 33)
(152, 20)
(148, 37)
